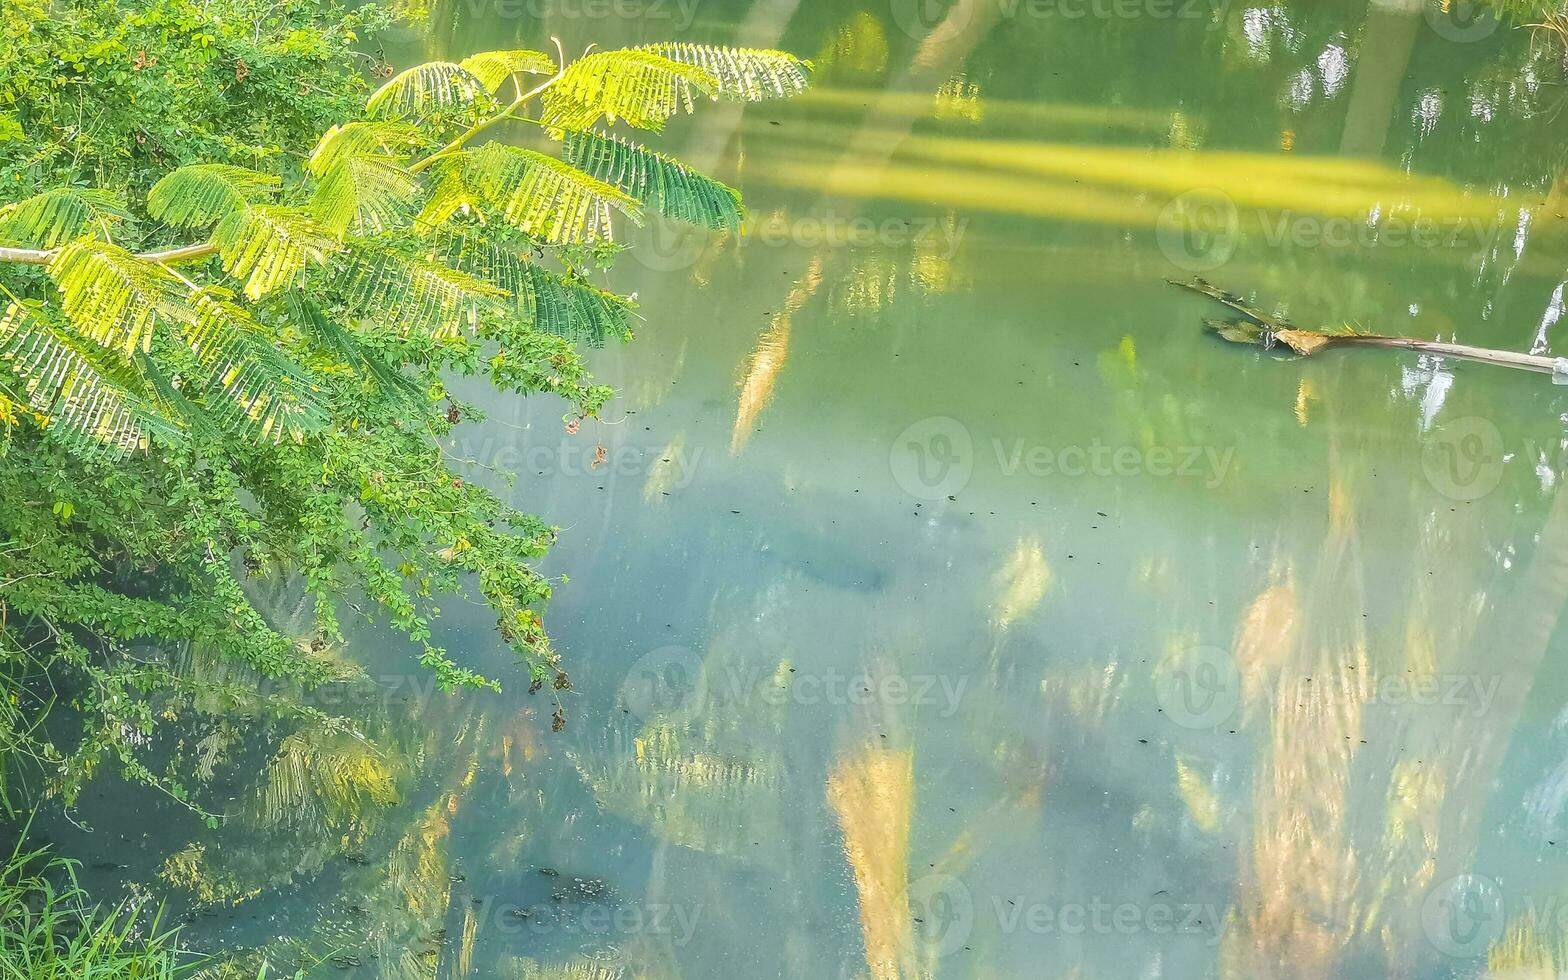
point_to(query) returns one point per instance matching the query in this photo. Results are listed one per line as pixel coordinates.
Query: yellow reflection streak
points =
(1021, 583)
(767, 361)
(814, 103)
(872, 792)
(1119, 185)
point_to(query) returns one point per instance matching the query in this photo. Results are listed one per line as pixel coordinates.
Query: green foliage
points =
(426, 91)
(666, 183)
(742, 74)
(204, 193)
(642, 87)
(366, 194)
(365, 139)
(647, 85)
(411, 293)
(60, 215)
(271, 246)
(237, 372)
(533, 192)
(49, 930)
(115, 93)
(493, 68)
(94, 405)
(112, 297)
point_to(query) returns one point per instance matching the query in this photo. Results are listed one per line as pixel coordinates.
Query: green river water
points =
(947, 603)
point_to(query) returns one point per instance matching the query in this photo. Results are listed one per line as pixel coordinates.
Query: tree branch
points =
(43, 256)
(480, 127)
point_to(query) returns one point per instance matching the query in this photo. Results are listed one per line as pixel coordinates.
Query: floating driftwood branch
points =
(1262, 330)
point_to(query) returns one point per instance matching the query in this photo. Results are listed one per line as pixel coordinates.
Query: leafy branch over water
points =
(242, 376)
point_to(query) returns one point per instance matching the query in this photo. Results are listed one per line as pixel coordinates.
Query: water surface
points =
(946, 602)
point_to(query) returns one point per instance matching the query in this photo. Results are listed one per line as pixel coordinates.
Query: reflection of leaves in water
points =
(767, 361)
(959, 100)
(522, 968)
(857, 47)
(1021, 583)
(872, 792)
(696, 798)
(1264, 639)
(1086, 693)
(1202, 805)
(325, 780)
(1529, 948)
(1298, 904)
(188, 869)
(669, 470)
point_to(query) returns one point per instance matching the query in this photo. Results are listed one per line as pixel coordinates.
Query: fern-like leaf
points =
(493, 68)
(572, 308)
(364, 194)
(60, 215)
(432, 89)
(640, 86)
(355, 139)
(545, 301)
(198, 195)
(531, 191)
(269, 246)
(252, 390)
(91, 406)
(111, 296)
(346, 348)
(415, 294)
(744, 74)
(655, 179)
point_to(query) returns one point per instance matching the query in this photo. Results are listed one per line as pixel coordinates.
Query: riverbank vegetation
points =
(51, 929)
(241, 259)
